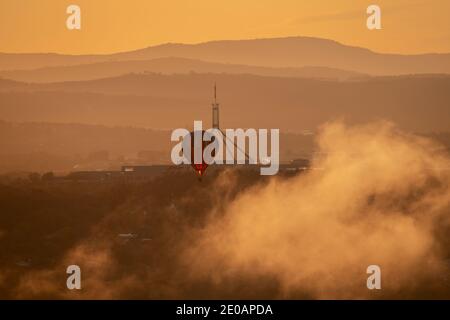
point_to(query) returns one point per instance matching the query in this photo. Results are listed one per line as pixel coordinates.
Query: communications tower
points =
(215, 110)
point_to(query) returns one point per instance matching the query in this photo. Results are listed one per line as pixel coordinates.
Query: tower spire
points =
(215, 110)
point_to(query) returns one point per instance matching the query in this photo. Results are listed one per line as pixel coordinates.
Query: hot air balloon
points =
(199, 167)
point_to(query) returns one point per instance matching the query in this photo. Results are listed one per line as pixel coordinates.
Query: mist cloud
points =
(375, 195)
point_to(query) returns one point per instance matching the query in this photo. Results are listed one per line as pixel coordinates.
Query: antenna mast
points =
(215, 110)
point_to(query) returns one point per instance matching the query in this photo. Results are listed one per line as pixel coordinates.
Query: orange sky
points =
(409, 26)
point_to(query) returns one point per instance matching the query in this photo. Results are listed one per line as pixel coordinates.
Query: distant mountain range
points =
(169, 65)
(417, 103)
(294, 84)
(294, 53)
